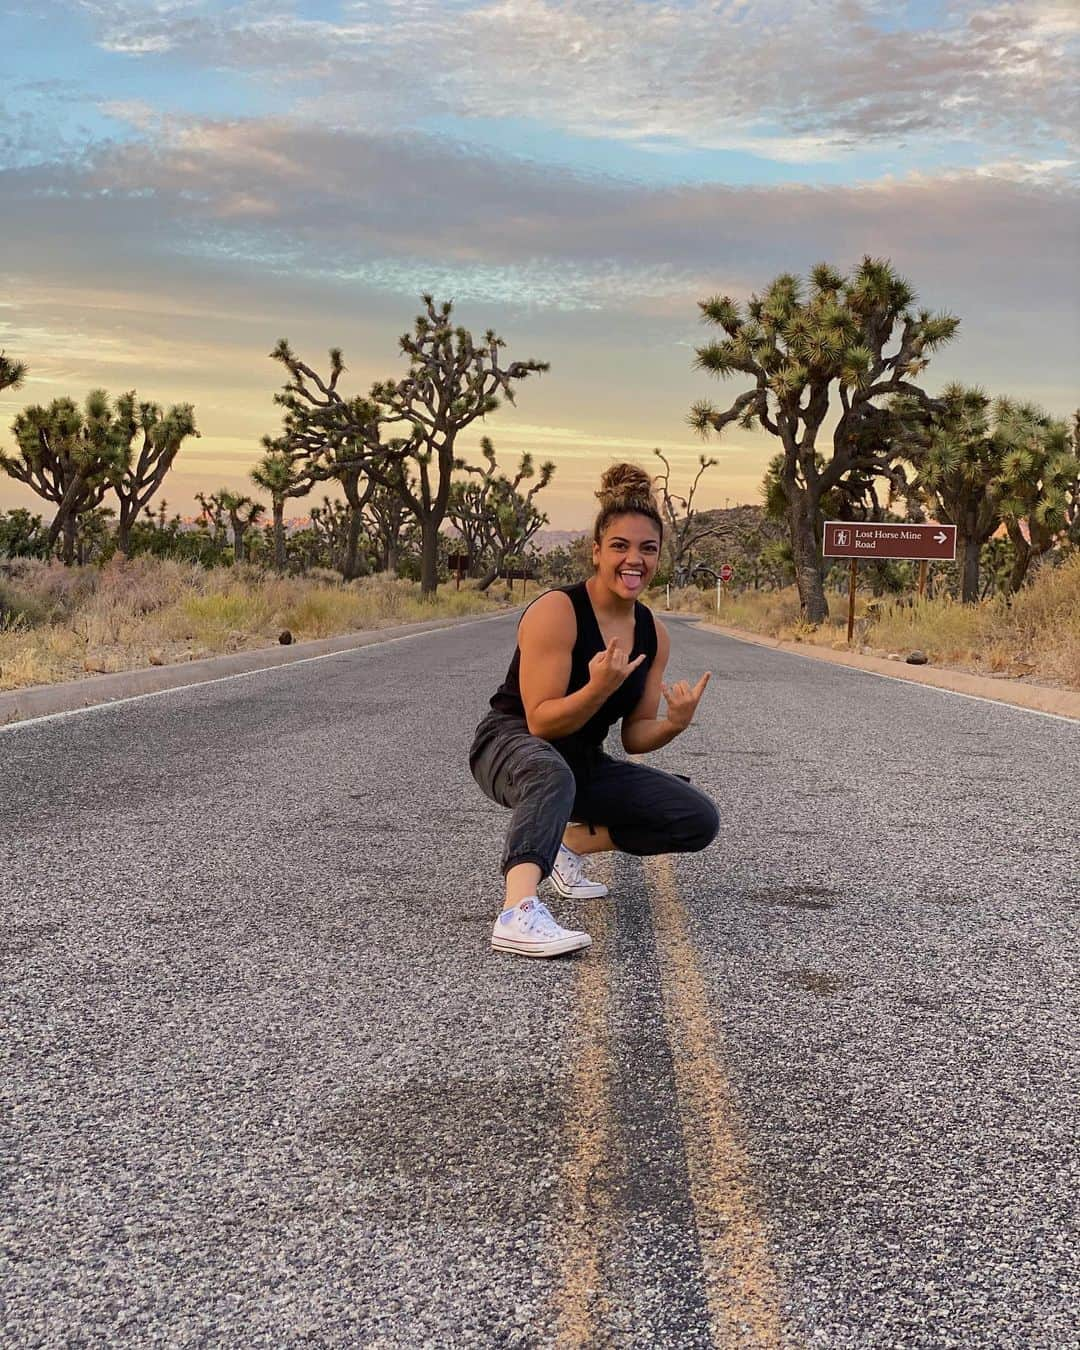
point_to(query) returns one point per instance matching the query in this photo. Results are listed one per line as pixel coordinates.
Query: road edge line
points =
(364, 641)
(914, 675)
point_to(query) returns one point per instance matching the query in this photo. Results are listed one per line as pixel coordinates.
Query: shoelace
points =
(542, 921)
(572, 868)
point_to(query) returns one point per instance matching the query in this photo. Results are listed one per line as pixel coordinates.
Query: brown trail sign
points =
(857, 539)
(881, 539)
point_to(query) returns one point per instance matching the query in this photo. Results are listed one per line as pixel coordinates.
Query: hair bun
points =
(626, 485)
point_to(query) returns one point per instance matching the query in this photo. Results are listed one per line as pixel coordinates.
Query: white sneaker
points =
(569, 879)
(530, 930)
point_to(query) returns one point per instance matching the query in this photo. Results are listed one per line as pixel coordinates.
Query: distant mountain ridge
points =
(545, 540)
(734, 524)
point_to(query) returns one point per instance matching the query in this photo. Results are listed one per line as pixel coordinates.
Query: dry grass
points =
(757, 611)
(60, 623)
(1036, 637)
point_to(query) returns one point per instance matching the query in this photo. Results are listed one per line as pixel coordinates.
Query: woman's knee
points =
(699, 826)
(547, 775)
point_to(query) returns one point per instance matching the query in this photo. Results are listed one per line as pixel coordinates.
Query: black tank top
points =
(584, 744)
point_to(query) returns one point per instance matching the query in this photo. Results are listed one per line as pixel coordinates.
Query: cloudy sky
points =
(182, 182)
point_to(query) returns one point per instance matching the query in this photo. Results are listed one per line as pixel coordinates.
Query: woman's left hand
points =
(682, 700)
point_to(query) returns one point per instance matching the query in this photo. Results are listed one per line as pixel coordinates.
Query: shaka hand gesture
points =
(609, 668)
(682, 700)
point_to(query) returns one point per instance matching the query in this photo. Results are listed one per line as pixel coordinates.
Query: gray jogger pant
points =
(646, 810)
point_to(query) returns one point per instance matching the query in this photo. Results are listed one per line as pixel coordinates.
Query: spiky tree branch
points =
(684, 529)
(12, 373)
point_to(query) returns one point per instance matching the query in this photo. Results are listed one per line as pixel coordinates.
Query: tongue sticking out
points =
(630, 581)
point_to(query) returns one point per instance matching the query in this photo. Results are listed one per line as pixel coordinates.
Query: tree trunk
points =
(1019, 571)
(968, 550)
(71, 524)
(279, 534)
(65, 515)
(238, 545)
(804, 548)
(351, 565)
(123, 533)
(1024, 554)
(429, 558)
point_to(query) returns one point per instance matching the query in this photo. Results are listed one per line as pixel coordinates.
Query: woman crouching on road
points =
(588, 655)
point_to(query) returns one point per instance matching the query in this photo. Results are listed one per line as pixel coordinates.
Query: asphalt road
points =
(265, 1084)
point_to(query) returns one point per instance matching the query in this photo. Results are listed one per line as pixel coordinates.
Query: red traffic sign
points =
(882, 539)
(726, 572)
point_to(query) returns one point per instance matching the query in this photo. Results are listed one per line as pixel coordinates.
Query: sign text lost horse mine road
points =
(878, 539)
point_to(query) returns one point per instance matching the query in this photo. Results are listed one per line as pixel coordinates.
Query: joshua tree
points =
(386, 513)
(135, 478)
(799, 352)
(567, 562)
(359, 486)
(1041, 482)
(279, 473)
(21, 534)
(494, 517)
(213, 518)
(243, 512)
(68, 456)
(1072, 506)
(95, 533)
(513, 515)
(451, 382)
(74, 457)
(978, 462)
(331, 524)
(12, 373)
(468, 508)
(857, 497)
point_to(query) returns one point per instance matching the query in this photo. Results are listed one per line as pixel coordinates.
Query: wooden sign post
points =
(457, 563)
(857, 539)
(513, 572)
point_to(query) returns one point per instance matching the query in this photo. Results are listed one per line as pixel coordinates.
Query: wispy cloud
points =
(168, 229)
(403, 212)
(787, 82)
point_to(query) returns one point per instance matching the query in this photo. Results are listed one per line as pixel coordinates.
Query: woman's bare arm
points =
(642, 730)
(546, 638)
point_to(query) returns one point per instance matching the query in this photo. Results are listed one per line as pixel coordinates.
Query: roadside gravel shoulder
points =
(1039, 698)
(45, 700)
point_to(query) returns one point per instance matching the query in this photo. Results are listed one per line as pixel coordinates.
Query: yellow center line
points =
(740, 1280)
(580, 1293)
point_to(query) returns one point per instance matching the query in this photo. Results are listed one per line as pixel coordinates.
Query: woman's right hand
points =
(609, 668)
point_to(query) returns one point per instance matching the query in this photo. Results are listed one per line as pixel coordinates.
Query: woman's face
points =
(627, 556)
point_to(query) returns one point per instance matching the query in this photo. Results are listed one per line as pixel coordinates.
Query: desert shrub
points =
(45, 592)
